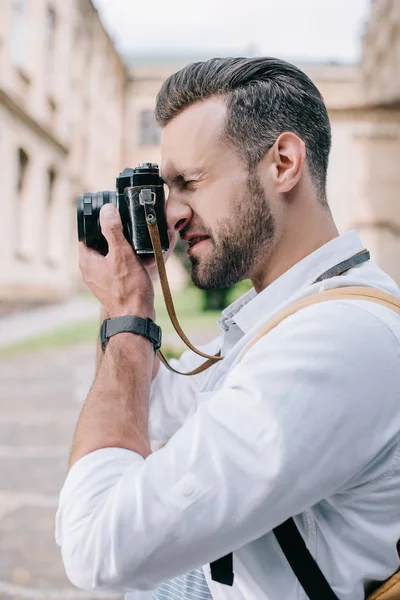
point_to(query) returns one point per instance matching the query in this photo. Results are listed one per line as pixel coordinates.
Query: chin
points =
(210, 281)
(216, 273)
(200, 278)
(200, 282)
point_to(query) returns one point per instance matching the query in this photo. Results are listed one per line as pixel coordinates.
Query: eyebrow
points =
(175, 176)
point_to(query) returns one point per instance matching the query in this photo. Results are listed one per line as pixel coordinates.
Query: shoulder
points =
(353, 324)
(340, 343)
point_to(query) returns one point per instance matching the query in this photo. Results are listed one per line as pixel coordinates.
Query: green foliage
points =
(84, 331)
(237, 290)
(189, 309)
(171, 351)
(188, 306)
(221, 298)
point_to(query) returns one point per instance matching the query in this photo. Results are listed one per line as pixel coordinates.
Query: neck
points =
(300, 237)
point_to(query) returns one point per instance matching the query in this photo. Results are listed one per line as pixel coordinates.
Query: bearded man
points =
(305, 426)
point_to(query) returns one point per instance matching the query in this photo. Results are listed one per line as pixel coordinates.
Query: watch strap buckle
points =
(103, 334)
(153, 333)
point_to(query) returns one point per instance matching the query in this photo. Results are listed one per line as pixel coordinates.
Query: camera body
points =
(129, 200)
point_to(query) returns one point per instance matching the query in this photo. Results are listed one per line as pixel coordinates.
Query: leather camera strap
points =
(151, 220)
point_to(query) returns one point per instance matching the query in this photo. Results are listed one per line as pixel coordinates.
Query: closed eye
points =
(186, 184)
(181, 183)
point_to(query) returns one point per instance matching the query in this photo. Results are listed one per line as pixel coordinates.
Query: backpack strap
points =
(307, 571)
(293, 546)
(346, 293)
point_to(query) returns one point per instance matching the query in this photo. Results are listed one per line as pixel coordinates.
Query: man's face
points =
(217, 205)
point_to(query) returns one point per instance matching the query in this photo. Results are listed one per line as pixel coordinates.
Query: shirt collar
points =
(249, 308)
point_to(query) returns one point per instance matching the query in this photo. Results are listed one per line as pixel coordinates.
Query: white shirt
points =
(307, 424)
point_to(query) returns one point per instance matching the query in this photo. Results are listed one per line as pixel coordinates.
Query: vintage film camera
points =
(134, 188)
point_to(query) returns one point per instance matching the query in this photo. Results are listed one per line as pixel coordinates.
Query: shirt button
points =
(188, 488)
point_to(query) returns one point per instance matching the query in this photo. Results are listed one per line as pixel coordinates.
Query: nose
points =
(179, 214)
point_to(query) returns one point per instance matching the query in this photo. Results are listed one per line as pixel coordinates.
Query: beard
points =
(241, 240)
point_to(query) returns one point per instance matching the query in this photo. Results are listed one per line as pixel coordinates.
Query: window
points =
(49, 220)
(21, 185)
(51, 180)
(51, 24)
(23, 161)
(19, 32)
(149, 130)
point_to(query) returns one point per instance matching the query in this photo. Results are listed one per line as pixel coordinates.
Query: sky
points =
(317, 30)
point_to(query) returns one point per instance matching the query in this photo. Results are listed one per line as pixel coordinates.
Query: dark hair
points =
(265, 97)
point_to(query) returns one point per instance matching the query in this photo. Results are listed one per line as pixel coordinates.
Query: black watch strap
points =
(128, 324)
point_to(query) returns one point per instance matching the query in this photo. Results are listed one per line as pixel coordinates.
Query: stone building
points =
(379, 218)
(72, 116)
(61, 113)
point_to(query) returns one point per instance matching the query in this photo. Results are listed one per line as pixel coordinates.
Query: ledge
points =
(17, 110)
(380, 225)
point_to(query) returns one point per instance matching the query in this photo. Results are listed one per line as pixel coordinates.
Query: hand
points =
(119, 280)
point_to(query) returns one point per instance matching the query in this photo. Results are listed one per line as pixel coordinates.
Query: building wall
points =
(97, 98)
(32, 231)
(379, 142)
(364, 180)
(70, 106)
(61, 104)
(381, 53)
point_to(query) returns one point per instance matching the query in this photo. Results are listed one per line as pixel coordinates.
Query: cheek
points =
(215, 202)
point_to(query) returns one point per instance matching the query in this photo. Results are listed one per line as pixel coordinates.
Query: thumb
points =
(111, 225)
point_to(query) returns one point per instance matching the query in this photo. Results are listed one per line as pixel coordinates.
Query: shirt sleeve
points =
(295, 422)
(172, 396)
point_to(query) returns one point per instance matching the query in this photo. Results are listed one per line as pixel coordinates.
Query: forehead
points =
(192, 139)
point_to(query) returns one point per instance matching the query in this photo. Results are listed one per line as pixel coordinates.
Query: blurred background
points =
(78, 81)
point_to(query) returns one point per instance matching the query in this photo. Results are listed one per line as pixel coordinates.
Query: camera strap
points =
(151, 220)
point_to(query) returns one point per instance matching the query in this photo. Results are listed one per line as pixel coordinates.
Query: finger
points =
(87, 255)
(111, 226)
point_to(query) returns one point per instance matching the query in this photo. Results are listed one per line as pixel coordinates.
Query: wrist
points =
(138, 308)
(135, 311)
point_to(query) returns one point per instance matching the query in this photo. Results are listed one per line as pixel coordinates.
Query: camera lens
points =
(88, 218)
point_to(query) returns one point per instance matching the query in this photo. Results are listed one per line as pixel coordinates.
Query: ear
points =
(287, 157)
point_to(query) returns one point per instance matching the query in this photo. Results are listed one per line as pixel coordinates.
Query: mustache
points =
(193, 228)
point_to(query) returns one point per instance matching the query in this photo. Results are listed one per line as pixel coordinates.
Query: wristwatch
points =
(127, 324)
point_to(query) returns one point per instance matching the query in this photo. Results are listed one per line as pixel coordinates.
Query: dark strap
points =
(345, 265)
(131, 324)
(222, 570)
(310, 576)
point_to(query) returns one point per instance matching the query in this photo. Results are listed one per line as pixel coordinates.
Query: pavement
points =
(19, 327)
(40, 398)
(41, 393)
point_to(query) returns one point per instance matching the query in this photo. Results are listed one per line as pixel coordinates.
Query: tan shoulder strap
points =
(390, 590)
(345, 293)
